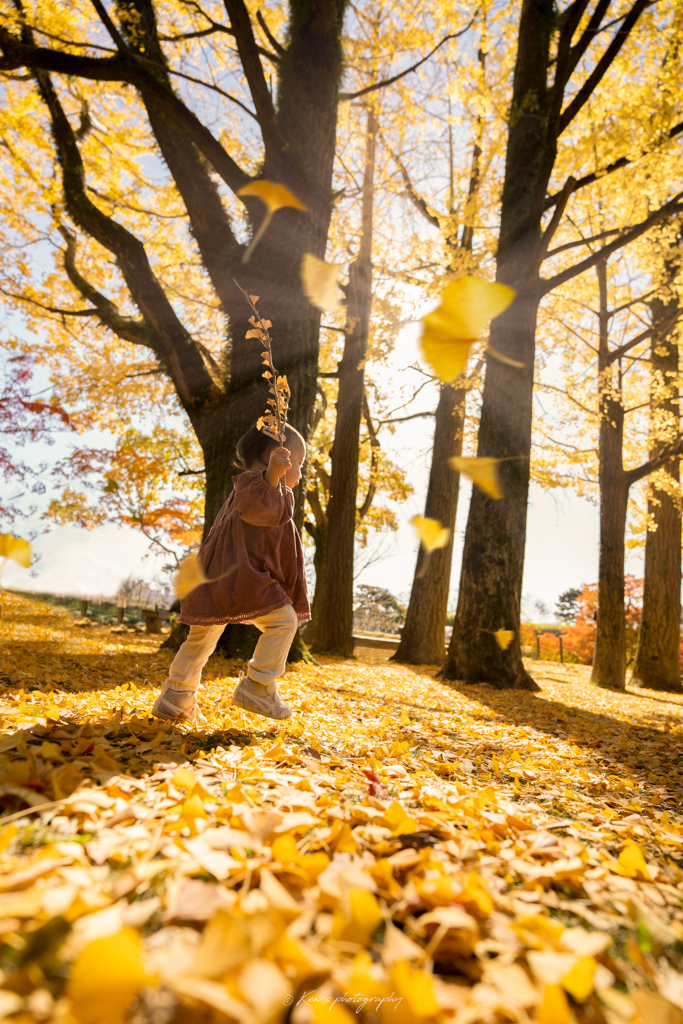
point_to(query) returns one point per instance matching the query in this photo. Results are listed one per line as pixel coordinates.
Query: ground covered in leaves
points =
(403, 851)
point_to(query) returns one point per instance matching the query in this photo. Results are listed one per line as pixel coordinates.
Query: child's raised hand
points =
(278, 464)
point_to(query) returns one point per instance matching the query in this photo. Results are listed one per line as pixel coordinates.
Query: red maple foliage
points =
(22, 419)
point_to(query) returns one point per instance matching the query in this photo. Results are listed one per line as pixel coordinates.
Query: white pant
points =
(278, 629)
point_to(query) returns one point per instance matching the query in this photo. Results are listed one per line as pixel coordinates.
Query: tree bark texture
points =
(609, 656)
(657, 661)
(334, 611)
(423, 633)
(493, 557)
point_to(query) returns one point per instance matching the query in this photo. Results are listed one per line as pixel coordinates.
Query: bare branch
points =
(585, 241)
(667, 210)
(623, 161)
(109, 25)
(670, 451)
(408, 71)
(279, 50)
(416, 199)
(169, 339)
(121, 68)
(602, 66)
(374, 461)
(253, 71)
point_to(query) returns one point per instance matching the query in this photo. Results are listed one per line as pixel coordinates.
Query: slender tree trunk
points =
(334, 615)
(422, 636)
(609, 658)
(657, 661)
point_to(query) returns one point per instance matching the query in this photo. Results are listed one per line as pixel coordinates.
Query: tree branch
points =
(374, 461)
(623, 161)
(279, 50)
(585, 241)
(215, 26)
(136, 331)
(670, 451)
(124, 68)
(568, 56)
(668, 210)
(109, 24)
(209, 220)
(316, 507)
(408, 71)
(602, 66)
(558, 213)
(175, 346)
(664, 326)
(253, 71)
(416, 199)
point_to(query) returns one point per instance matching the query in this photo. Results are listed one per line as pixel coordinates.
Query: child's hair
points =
(255, 446)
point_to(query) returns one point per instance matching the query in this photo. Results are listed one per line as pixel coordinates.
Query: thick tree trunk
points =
(334, 614)
(657, 661)
(422, 636)
(493, 555)
(609, 657)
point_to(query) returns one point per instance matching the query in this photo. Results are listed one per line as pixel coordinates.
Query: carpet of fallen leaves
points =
(403, 851)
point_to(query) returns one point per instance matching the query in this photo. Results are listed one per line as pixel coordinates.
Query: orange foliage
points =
(578, 639)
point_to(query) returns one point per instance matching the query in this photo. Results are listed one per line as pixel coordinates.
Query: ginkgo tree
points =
(572, 76)
(146, 210)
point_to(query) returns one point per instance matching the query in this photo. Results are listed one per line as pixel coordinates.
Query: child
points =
(254, 560)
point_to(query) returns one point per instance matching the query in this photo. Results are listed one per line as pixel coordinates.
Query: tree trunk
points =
(493, 557)
(609, 657)
(657, 661)
(422, 636)
(318, 533)
(334, 615)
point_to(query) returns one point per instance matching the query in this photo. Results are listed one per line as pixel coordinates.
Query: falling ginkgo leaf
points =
(18, 550)
(320, 281)
(431, 533)
(482, 472)
(275, 196)
(501, 358)
(190, 575)
(467, 305)
(504, 638)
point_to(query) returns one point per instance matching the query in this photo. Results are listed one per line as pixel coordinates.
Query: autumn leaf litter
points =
(404, 850)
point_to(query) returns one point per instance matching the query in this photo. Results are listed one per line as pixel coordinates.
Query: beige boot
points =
(177, 706)
(260, 699)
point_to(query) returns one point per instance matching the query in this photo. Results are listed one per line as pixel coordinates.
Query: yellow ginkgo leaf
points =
(631, 863)
(431, 533)
(356, 917)
(275, 196)
(467, 306)
(320, 281)
(504, 638)
(15, 548)
(579, 980)
(105, 978)
(190, 575)
(553, 1008)
(482, 472)
(442, 350)
(501, 358)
